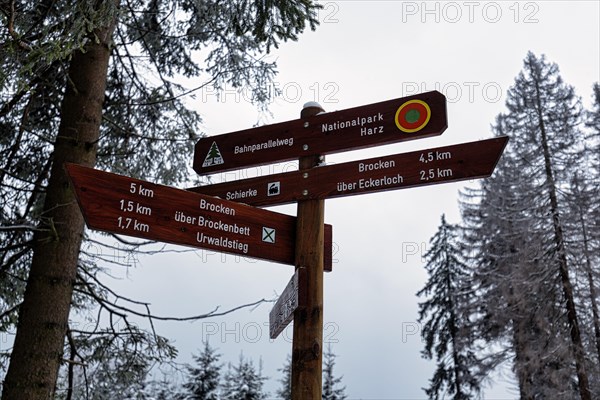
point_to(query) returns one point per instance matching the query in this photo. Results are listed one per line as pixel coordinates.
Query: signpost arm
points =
(307, 342)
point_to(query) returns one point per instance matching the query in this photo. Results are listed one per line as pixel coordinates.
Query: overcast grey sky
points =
(366, 52)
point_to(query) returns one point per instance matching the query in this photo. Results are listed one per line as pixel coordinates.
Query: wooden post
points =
(307, 345)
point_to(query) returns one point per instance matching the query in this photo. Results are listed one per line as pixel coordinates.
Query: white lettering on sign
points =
(343, 186)
(134, 207)
(362, 167)
(222, 242)
(269, 144)
(219, 208)
(221, 226)
(358, 121)
(385, 181)
(371, 131)
(241, 194)
(181, 217)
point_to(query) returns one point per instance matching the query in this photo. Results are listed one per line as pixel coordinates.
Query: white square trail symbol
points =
(268, 235)
(274, 188)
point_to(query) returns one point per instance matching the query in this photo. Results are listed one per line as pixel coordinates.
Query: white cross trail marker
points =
(268, 235)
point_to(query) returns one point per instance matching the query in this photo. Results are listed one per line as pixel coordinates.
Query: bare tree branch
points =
(122, 311)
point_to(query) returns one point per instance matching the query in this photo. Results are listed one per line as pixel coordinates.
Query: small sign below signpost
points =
(283, 310)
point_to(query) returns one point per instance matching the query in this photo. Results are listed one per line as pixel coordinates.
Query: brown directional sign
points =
(282, 312)
(123, 205)
(418, 168)
(406, 118)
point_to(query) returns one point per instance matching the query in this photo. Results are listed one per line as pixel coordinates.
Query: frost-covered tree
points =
(444, 325)
(94, 82)
(285, 389)
(543, 119)
(514, 308)
(243, 382)
(163, 389)
(203, 376)
(519, 228)
(582, 236)
(331, 383)
(593, 123)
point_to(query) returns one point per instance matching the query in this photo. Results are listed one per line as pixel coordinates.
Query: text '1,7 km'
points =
(387, 122)
(128, 206)
(418, 168)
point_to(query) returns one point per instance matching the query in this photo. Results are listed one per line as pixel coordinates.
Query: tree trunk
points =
(44, 314)
(458, 393)
(584, 387)
(519, 369)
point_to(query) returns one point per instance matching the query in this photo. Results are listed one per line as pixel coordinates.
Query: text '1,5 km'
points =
(387, 122)
(128, 206)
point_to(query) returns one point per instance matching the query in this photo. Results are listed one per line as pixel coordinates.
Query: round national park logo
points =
(412, 116)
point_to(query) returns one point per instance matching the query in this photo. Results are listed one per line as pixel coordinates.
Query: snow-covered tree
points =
(515, 309)
(445, 330)
(544, 118)
(163, 389)
(522, 232)
(243, 382)
(582, 236)
(593, 123)
(331, 384)
(285, 390)
(96, 83)
(203, 376)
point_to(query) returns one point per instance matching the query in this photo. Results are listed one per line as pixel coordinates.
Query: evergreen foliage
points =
(331, 383)
(243, 382)
(203, 380)
(59, 103)
(445, 328)
(531, 244)
(285, 390)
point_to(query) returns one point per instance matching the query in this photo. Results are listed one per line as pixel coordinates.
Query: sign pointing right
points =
(391, 121)
(418, 168)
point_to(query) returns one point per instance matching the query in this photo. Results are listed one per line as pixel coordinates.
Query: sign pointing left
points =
(128, 206)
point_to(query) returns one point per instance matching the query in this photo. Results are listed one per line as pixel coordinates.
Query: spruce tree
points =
(203, 377)
(543, 119)
(582, 233)
(94, 83)
(164, 389)
(243, 382)
(285, 390)
(331, 383)
(523, 239)
(444, 326)
(593, 124)
(514, 306)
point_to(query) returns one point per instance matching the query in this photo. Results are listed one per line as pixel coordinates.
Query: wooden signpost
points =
(123, 205)
(128, 206)
(400, 171)
(392, 121)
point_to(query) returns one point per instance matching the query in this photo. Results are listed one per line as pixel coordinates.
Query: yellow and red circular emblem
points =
(412, 116)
